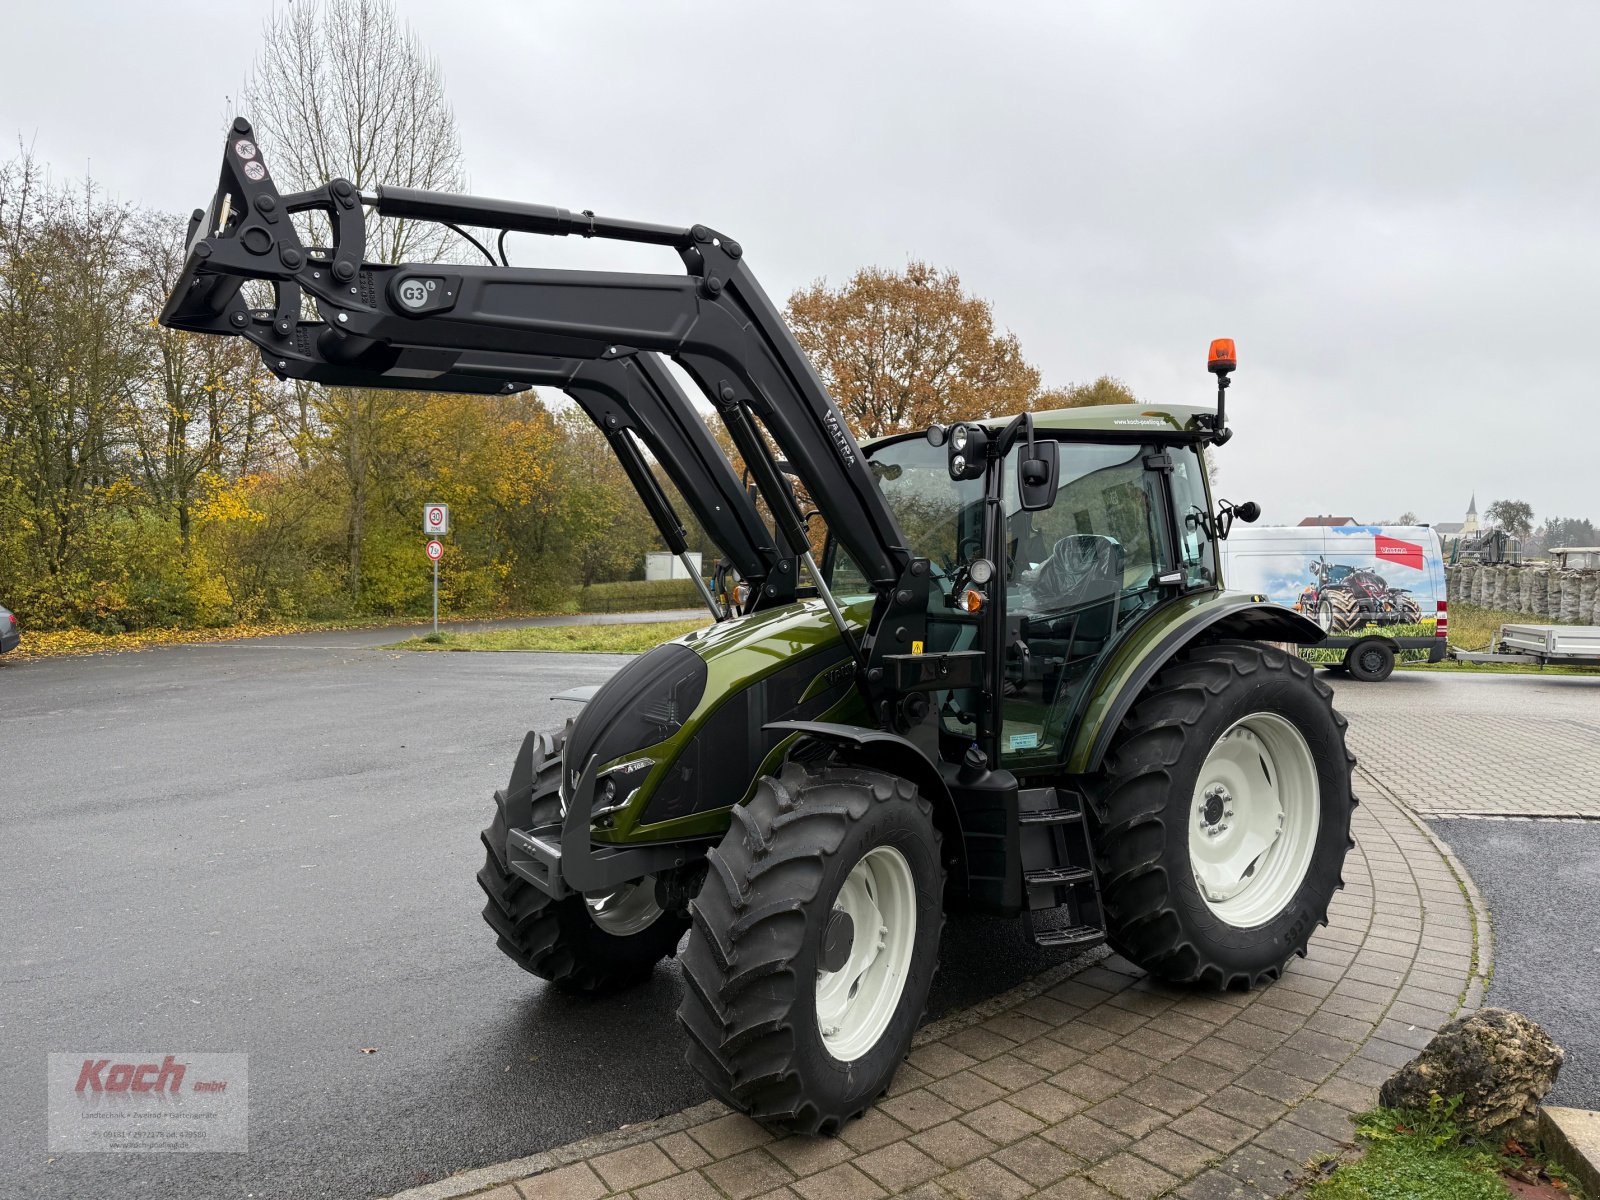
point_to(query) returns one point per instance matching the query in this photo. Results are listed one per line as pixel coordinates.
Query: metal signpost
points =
(435, 521)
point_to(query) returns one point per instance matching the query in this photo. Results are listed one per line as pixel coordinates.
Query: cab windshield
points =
(1076, 574)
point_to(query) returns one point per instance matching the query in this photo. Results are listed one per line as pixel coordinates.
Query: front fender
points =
(1129, 669)
(881, 749)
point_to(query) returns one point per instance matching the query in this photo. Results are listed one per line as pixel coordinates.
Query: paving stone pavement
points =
(1102, 1083)
(1456, 744)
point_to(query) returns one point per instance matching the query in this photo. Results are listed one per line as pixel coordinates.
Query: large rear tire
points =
(814, 941)
(1221, 818)
(585, 944)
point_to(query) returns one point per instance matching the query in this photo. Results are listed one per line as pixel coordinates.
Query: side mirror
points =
(1038, 475)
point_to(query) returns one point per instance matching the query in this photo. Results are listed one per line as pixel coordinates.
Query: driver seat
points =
(1082, 579)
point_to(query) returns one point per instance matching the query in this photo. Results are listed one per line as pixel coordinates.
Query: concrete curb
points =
(1571, 1137)
(1477, 988)
(467, 1182)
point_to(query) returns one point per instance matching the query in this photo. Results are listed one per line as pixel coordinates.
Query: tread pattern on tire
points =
(1346, 614)
(1129, 818)
(739, 974)
(550, 938)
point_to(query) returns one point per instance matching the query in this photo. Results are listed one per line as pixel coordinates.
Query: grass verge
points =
(562, 639)
(1425, 1155)
(56, 643)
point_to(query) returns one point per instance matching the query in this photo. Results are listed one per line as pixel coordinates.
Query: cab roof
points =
(1092, 418)
(1114, 418)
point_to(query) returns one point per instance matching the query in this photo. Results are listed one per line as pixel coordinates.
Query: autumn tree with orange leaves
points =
(906, 349)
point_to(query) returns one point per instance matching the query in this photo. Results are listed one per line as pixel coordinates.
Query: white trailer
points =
(1542, 644)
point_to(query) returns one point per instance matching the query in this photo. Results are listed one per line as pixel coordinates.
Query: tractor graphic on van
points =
(1342, 597)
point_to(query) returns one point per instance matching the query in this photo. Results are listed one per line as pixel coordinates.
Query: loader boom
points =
(495, 328)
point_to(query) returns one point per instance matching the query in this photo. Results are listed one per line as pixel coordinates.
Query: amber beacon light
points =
(1222, 360)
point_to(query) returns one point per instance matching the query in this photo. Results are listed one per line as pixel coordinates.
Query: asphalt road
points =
(1542, 882)
(268, 847)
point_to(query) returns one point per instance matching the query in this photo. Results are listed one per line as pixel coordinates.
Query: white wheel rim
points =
(1253, 820)
(856, 1003)
(629, 909)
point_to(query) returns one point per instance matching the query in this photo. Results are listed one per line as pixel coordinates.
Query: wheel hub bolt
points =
(1216, 814)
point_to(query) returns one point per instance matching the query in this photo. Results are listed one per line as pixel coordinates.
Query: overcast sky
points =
(1393, 208)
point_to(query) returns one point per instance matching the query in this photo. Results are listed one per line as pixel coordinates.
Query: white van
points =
(1375, 589)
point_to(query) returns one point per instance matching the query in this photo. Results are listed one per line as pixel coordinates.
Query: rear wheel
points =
(590, 943)
(813, 945)
(1371, 661)
(1222, 816)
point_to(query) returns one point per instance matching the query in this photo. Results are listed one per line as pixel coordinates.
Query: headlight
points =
(958, 438)
(958, 464)
(616, 787)
(980, 570)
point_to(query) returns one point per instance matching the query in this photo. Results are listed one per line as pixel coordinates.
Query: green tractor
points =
(1013, 683)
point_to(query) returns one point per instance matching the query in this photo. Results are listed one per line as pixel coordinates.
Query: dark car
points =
(10, 635)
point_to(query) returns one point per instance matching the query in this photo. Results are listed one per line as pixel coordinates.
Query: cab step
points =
(1051, 816)
(1075, 937)
(1058, 880)
(1057, 876)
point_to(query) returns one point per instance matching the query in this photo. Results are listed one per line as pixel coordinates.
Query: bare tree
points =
(348, 90)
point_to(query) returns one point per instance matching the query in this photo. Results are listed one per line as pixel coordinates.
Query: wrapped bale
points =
(1569, 597)
(1539, 597)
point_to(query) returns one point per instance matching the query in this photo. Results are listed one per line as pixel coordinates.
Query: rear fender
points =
(1126, 674)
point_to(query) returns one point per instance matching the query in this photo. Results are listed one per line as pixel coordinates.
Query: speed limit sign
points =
(435, 518)
(435, 550)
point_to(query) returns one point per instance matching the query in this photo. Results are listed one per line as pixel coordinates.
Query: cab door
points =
(1081, 572)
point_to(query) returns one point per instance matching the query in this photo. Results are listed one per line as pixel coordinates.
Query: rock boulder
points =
(1501, 1062)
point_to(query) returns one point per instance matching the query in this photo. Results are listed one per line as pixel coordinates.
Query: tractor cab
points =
(1122, 531)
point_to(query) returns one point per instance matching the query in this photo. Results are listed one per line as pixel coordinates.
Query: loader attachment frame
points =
(598, 335)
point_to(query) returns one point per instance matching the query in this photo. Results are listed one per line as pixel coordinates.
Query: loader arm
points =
(449, 326)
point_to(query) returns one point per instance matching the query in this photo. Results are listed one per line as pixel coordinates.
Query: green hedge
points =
(640, 595)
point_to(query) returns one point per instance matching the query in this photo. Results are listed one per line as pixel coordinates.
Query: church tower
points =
(1470, 525)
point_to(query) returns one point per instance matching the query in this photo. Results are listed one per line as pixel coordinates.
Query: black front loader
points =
(497, 328)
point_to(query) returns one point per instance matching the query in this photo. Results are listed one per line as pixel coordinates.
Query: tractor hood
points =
(679, 732)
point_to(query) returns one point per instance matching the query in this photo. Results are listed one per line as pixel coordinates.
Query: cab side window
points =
(1197, 553)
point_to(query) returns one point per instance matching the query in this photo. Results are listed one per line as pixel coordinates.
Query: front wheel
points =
(1222, 816)
(813, 944)
(589, 944)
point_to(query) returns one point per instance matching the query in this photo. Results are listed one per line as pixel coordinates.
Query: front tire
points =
(584, 944)
(1221, 818)
(813, 945)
